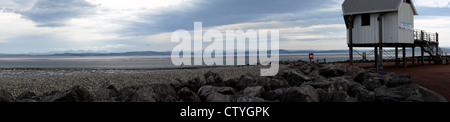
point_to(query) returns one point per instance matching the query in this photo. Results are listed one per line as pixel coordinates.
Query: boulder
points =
(384, 94)
(399, 80)
(205, 91)
(323, 95)
(410, 92)
(154, 93)
(372, 83)
(403, 93)
(275, 83)
(195, 84)
(239, 98)
(354, 71)
(187, 95)
(360, 77)
(5, 96)
(340, 96)
(74, 94)
(274, 94)
(304, 93)
(105, 91)
(321, 85)
(246, 81)
(231, 83)
(255, 91)
(362, 94)
(218, 97)
(339, 84)
(295, 78)
(26, 95)
(176, 84)
(307, 68)
(126, 93)
(213, 78)
(331, 71)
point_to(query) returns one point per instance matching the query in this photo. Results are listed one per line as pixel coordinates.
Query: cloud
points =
(16, 4)
(439, 24)
(55, 13)
(217, 12)
(433, 3)
(104, 48)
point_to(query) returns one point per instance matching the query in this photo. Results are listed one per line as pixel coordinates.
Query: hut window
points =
(365, 20)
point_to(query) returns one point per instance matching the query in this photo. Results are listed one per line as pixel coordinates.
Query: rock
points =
(176, 84)
(362, 94)
(74, 94)
(5, 96)
(213, 78)
(295, 78)
(300, 94)
(340, 96)
(275, 83)
(187, 95)
(331, 71)
(307, 68)
(274, 94)
(246, 81)
(410, 92)
(372, 83)
(354, 71)
(105, 91)
(397, 81)
(339, 84)
(403, 93)
(204, 92)
(247, 99)
(360, 77)
(294, 94)
(255, 91)
(231, 83)
(127, 93)
(431, 96)
(195, 84)
(218, 97)
(154, 93)
(316, 77)
(26, 96)
(321, 85)
(384, 94)
(323, 95)
(382, 77)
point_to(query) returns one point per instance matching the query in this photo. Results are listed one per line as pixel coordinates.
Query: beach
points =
(296, 81)
(42, 80)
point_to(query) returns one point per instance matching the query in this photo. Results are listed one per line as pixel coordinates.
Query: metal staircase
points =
(428, 43)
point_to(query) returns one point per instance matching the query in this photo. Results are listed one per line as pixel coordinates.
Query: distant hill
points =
(140, 53)
(155, 53)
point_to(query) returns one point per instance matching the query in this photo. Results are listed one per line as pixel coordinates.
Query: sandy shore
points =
(47, 80)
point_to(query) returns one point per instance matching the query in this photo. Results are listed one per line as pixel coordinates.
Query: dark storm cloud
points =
(217, 12)
(54, 13)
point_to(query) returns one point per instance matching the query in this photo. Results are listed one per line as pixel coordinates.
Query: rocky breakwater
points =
(296, 82)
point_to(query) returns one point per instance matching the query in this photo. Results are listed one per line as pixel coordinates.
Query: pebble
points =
(41, 81)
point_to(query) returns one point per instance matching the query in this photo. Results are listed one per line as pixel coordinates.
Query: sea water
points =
(138, 61)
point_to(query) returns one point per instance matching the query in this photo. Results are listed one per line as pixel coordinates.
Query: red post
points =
(311, 56)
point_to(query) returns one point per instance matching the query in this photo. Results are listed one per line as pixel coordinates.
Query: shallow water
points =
(135, 61)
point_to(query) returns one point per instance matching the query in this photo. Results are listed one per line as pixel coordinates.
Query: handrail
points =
(422, 35)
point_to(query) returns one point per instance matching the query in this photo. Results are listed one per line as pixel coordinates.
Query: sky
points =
(52, 26)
